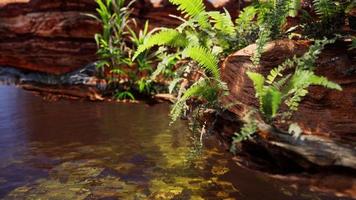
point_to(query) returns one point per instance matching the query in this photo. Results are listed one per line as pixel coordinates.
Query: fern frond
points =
(204, 58)
(324, 8)
(274, 73)
(169, 37)
(223, 22)
(322, 81)
(271, 101)
(246, 16)
(247, 130)
(263, 37)
(258, 82)
(191, 8)
(294, 101)
(307, 61)
(197, 89)
(299, 83)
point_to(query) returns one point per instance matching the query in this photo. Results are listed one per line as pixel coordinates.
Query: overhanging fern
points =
(199, 88)
(192, 8)
(169, 37)
(204, 58)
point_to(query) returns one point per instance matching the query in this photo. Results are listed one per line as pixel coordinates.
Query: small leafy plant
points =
(114, 17)
(116, 46)
(198, 43)
(330, 18)
(280, 88)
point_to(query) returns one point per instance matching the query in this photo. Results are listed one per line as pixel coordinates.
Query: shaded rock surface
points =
(327, 117)
(81, 83)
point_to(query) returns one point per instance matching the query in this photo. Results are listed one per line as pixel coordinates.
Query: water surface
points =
(101, 150)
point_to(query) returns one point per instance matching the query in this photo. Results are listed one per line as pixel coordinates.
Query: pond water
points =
(101, 150)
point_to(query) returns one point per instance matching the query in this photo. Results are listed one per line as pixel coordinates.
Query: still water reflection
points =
(85, 150)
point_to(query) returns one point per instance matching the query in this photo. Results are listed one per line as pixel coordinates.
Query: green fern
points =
(277, 72)
(199, 88)
(169, 37)
(247, 130)
(191, 8)
(294, 6)
(290, 89)
(204, 58)
(258, 82)
(325, 8)
(269, 97)
(299, 83)
(223, 22)
(246, 17)
(271, 101)
(263, 37)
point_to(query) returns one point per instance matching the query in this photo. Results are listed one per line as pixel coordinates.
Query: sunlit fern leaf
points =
(299, 83)
(322, 81)
(169, 37)
(280, 83)
(203, 20)
(258, 82)
(223, 22)
(246, 16)
(294, 101)
(271, 101)
(324, 8)
(274, 73)
(204, 58)
(192, 8)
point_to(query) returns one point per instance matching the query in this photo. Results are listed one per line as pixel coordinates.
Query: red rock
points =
(47, 36)
(55, 37)
(323, 112)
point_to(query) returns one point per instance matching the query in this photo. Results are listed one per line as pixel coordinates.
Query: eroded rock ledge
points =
(327, 117)
(55, 37)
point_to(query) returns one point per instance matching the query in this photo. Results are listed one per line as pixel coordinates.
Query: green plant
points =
(330, 18)
(116, 46)
(280, 88)
(291, 88)
(271, 15)
(197, 45)
(124, 95)
(114, 17)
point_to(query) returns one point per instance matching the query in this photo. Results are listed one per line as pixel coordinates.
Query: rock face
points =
(55, 37)
(47, 36)
(323, 112)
